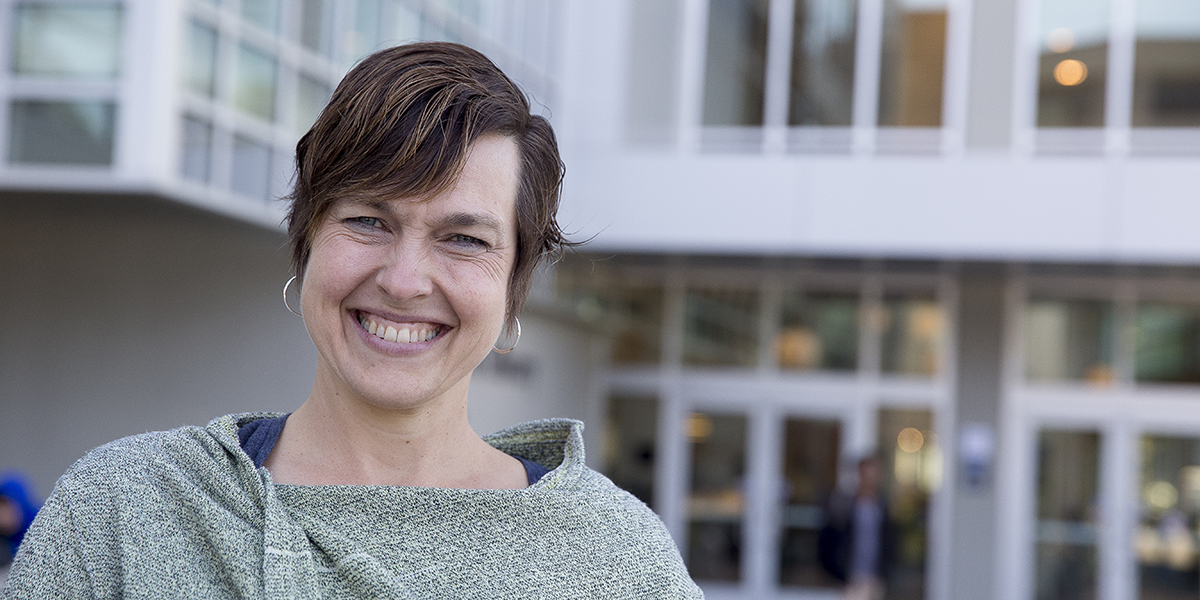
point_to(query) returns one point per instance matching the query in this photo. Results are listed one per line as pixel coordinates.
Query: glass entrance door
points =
(1165, 541)
(810, 469)
(1067, 503)
(716, 499)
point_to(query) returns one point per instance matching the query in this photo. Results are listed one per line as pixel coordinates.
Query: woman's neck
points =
(335, 439)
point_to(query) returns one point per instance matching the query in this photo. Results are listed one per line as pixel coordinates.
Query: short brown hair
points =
(400, 125)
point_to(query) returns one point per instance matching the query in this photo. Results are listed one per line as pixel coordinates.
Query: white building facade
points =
(953, 233)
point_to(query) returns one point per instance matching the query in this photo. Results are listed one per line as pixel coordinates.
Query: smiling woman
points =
(425, 197)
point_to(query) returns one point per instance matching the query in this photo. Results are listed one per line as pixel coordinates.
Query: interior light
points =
(1161, 495)
(699, 426)
(1060, 40)
(910, 440)
(1070, 72)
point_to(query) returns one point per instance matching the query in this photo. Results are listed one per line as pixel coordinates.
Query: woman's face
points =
(403, 297)
(10, 517)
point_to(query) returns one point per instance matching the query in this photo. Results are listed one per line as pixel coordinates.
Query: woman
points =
(425, 198)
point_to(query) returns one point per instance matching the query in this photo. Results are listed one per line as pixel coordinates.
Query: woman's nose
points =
(407, 273)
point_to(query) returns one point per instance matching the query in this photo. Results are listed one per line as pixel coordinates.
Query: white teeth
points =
(403, 335)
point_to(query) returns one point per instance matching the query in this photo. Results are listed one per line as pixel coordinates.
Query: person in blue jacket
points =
(17, 511)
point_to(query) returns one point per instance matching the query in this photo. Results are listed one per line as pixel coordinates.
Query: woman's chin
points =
(405, 393)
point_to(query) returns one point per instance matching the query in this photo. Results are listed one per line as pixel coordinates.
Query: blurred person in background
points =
(425, 197)
(856, 544)
(17, 511)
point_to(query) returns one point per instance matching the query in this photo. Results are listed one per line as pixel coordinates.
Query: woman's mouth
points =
(403, 333)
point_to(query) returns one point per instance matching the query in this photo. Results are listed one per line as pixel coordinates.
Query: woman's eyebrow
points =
(457, 219)
(463, 219)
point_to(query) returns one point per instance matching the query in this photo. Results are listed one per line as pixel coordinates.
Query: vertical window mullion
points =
(761, 566)
(691, 78)
(672, 472)
(1115, 561)
(779, 55)
(1122, 35)
(1025, 77)
(867, 51)
(768, 325)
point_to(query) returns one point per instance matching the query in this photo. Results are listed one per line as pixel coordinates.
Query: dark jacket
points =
(835, 541)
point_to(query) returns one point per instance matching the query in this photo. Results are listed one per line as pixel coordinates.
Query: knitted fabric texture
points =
(184, 513)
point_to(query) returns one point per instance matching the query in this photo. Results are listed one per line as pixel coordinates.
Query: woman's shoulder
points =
(131, 455)
(142, 459)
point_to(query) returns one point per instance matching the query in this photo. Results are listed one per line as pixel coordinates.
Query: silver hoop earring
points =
(515, 342)
(285, 298)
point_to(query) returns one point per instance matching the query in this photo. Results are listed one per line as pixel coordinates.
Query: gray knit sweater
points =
(184, 513)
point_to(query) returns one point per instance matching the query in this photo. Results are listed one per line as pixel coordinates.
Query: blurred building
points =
(956, 233)
(961, 234)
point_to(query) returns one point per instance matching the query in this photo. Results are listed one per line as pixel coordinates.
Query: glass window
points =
(912, 335)
(283, 172)
(264, 13)
(810, 469)
(316, 26)
(1168, 343)
(431, 30)
(629, 444)
(911, 66)
(735, 67)
(1066, 536)
(68, 40)
(1073, 50)
(721, 328)
(635, 318)
(254, 89)
(406, 24)
(77, 133)
(818, 331)
(912, 470)
(1165, 542)
(652, 96)
(1166, 76)
(716, 501)
(822, 90)
(200, 59)
(472, 11)
(251, 168)
(311, 97)
(632, 316)
(197, 144)
(1069, 340)
(364, 38)
(449, 6)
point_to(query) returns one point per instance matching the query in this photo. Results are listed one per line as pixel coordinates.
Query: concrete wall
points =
(121, 315)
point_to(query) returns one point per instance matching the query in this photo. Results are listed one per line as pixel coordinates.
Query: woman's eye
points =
(368, 221)
(459, 238)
